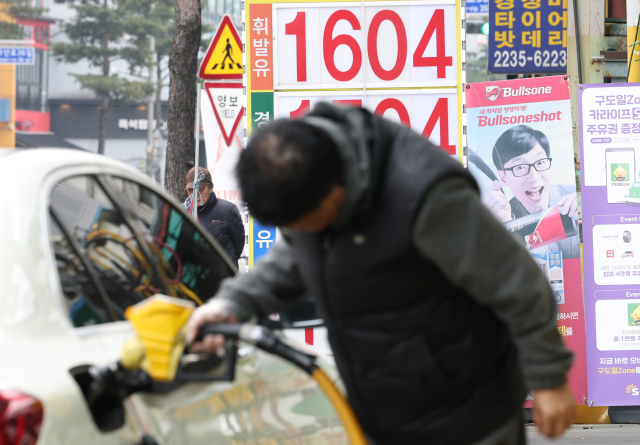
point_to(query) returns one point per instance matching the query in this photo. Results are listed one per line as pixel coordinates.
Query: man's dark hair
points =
(287, 168)
(517, 141)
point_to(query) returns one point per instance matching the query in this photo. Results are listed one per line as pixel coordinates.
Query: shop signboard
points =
(402, 59)
(609, 136)
(521, 153)
(477, 6)
(23, 55)
(528, 36)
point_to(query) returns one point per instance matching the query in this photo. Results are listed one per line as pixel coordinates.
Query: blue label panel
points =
(527, 36)
(18, 56)
(477, 6)
(264, 237)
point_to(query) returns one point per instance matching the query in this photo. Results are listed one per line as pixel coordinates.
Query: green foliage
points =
(9, 10)
(119, 91)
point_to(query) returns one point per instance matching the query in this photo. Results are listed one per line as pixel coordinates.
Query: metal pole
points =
(150, 109)
(575, 22)
(633, 48)
(197, 133)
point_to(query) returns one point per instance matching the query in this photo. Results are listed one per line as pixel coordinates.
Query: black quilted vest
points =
(422, 362)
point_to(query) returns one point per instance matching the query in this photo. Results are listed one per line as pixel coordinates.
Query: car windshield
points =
(117, 243)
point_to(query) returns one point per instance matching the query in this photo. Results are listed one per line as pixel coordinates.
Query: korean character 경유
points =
(261, 24)
(505, 19)
(505, 38)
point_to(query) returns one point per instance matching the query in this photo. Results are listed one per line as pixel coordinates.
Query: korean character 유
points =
(261, 24)
(504, 38)
(504, 4)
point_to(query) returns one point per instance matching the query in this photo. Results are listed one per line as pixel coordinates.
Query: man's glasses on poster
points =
(524, 169)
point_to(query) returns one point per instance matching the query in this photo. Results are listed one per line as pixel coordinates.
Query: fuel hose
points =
(264, 339)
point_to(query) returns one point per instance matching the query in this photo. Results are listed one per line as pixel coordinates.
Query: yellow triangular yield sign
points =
(224, 56)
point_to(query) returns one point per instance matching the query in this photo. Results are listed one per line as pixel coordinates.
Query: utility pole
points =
(152, 155)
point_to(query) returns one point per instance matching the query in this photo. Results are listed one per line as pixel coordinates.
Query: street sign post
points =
(10, 55)
(223, 59)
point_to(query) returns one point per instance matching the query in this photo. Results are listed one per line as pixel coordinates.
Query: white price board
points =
(342, 45)
(432, 113)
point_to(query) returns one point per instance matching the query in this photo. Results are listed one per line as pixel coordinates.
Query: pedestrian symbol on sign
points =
(223, 58)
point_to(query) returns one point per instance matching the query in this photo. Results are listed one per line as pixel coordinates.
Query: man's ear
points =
(502, 176)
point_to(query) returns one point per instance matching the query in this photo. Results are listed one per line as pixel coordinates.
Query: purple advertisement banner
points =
(609, 117)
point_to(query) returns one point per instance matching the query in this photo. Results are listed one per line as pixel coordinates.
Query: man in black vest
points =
(438, 319)
(221, 218)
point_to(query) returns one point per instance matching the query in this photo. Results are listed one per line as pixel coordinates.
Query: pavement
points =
(589, 435)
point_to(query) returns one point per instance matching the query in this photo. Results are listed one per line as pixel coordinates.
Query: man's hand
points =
(554, 410)
(568, 204)
(212, 312)
(495, 200)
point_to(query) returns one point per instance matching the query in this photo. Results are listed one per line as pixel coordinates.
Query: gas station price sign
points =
(527, 36)
(401, 59)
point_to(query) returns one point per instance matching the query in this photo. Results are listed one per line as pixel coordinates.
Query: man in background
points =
(221, 218)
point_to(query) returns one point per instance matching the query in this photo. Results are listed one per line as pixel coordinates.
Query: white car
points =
(82, 237)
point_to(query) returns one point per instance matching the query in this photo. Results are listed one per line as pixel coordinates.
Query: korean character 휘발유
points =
(531, 38)
(555, 19)
(222, 101)
(529, 19)
(621, 100)
(233, 101)
(601, 101)
(602, 129)
(625, 113)
(505, 38)
(635, 128)
(625, 128)
(531, 4)
(591, 129)
(261, 24)
(260, 47)
(504, 4)
(505, 19)
(611, 100)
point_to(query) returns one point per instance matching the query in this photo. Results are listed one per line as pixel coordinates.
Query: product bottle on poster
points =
(620, 171)
(542, 228)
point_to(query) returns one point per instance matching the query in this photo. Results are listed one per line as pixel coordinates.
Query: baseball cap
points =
(203, 183)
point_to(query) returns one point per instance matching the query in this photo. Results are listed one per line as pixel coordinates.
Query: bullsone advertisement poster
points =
(520, 151)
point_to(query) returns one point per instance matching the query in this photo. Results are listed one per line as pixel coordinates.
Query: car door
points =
(118, 242)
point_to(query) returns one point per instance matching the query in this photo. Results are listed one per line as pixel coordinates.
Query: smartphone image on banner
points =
(620, 171)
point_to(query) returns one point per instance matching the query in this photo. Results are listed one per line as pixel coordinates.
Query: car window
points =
(117, 242)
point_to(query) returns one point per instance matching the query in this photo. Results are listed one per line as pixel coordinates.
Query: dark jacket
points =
(423, 343)
(223, 221)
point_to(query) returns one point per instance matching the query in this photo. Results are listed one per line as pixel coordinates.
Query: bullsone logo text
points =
(522, 91)
(633, 390)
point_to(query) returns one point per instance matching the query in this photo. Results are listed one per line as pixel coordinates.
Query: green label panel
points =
(261, 109)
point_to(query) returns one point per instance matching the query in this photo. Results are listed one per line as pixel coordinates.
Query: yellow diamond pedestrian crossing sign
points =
(224, 56)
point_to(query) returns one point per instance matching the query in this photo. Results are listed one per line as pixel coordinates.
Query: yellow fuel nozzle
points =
(159, 323)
